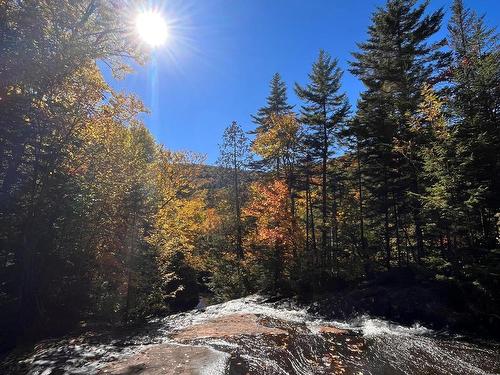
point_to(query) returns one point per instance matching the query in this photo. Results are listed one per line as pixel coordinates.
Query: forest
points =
(101, 223)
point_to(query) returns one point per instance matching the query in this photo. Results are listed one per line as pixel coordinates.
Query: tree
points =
(178, 223)
(280, 141)
(275, 231)
(235, 157)
(442, 189)
(394, 63)
(276, 105)
(475, 97)
(324, 113)
(79, 175)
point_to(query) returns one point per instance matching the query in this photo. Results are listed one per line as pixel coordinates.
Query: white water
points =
(371, 346)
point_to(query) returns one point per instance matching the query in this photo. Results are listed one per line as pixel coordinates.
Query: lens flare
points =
(152, 28)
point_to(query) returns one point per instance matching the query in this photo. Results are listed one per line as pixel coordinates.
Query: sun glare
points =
(152, 28)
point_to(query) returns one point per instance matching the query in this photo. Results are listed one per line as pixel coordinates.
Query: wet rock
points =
(332, 330)
(436, 304)
(250, 337)
(228, 326)
(170, 359)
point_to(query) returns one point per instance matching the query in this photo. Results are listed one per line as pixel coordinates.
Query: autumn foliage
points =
(270, 208)
(276, 234)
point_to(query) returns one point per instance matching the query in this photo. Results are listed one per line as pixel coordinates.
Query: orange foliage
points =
(271, 208)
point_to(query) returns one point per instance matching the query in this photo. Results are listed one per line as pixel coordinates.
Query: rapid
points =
(252, 336)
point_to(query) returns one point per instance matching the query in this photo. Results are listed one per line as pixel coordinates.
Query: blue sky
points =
(221, 54)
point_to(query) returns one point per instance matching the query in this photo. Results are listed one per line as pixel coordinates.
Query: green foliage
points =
(97, 221)
(276, 106)
(276, 103)
(324, 114)
(81, 178)
(394, 64)
(231, 278)
(418, 183)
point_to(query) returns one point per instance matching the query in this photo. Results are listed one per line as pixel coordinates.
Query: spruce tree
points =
(394, 63)
(276, 105)
(475, 78)
(324, 113)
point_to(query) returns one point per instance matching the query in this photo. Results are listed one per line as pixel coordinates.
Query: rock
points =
(332, 330)
(228, 326)
(170, 359)
(435, 304)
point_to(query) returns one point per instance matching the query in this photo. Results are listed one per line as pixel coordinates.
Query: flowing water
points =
(249, 336)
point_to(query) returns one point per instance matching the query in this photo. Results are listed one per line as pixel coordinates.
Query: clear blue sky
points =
(217, 64)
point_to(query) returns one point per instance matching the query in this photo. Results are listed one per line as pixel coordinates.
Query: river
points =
(250, 336)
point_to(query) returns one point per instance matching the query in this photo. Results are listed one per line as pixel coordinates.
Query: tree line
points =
(409, 178)
(97, 221)
(100, 222)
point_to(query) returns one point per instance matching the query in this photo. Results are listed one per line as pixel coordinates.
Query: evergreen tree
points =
(442, 189)
(276, 105)
(474, 107)
(394, 63)
(324, 113)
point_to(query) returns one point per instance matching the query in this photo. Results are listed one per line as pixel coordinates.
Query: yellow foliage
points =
(181, 205)
(278, 138)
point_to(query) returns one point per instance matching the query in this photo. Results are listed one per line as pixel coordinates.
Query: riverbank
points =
(407, 298)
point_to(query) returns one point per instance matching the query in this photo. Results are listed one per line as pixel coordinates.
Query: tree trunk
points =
(361, 213)
(313, 231)
(396, 228)
(130, 253)
(324, 235)
(239, 235)
(307, 215)
(335, 228)
(386, 223)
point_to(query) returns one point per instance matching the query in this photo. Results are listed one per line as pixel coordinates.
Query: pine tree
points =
(324, 113)
(394, 63)
(443, 191)
(475, 78)
(276, 105)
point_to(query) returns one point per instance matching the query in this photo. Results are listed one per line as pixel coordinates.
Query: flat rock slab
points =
(332, 330)
(228, 326)
(170, 359)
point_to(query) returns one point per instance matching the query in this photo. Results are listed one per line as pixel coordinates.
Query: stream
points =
(251, 336)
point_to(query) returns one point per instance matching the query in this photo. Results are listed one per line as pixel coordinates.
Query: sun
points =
(152, 28)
